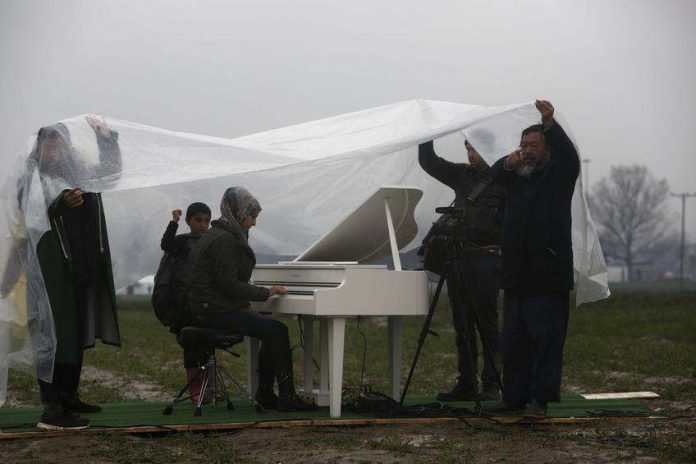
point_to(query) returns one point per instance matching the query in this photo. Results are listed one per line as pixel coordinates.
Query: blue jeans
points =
(474, 302)
(533, 335)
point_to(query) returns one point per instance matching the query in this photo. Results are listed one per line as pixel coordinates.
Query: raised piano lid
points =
(363, 236)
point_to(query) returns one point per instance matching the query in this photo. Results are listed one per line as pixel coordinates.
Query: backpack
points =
(169, 291)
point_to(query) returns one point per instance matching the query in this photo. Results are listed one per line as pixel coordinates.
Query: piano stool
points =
(215, 377)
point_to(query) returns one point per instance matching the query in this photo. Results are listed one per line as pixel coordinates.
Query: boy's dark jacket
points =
(537, 245)
(172, 278)
(221, 271)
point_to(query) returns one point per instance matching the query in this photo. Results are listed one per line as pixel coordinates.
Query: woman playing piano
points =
(219, 295)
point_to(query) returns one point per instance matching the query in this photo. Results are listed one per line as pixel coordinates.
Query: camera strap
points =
(476, 191)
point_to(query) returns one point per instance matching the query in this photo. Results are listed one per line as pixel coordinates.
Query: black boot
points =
(265, 395)
(535, 410)
(54, 417)
(490, 391)
(461, 392)
(72, 403)
(288, 400)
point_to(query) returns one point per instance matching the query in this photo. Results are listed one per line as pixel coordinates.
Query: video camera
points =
(445, 235)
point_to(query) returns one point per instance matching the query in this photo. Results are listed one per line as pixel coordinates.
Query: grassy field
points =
(631, 341)
(635, 340)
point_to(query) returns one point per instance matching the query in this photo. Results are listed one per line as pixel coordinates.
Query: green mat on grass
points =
(149, 413)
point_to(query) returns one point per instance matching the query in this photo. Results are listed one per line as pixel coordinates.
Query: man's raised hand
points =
(98, 124)
(513, 160)
(546, 110)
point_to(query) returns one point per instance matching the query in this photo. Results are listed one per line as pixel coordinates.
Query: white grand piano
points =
(330, 282)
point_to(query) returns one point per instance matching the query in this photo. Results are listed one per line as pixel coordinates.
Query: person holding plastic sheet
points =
(171, 281)
(537, 273)
(75, 263)
(474, 297)
(219, 295)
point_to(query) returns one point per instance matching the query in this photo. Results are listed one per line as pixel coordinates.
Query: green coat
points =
(76, 330)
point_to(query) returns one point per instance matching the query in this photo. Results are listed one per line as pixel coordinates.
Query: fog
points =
(621, 72)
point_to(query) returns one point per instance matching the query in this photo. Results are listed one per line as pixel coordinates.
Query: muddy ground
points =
(670, 440)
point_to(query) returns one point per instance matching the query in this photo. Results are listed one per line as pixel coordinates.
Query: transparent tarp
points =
(306, 177)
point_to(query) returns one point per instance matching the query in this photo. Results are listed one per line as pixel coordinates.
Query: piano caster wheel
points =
(168, 410)
(198, 412)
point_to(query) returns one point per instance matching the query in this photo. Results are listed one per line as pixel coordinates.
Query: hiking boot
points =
(295, 404)
(266, 400)
(502, 407)
(458, 393)
(490, 391)
(61, 422)
(80, 407)
(535, 410)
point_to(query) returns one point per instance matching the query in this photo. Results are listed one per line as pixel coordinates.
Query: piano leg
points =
(307, 328)
(396, 325)
(324, 356)
(337, 330)
(252, 349)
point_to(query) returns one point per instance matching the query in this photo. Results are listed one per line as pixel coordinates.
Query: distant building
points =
(142, 287)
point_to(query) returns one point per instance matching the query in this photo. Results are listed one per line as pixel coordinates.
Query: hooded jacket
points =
(221, 271)
(75, 259)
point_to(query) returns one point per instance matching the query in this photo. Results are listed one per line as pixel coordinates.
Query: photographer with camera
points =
(537, 273)
(475, 223)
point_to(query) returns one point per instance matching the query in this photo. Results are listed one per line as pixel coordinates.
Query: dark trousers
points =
(64, 385)
(533, 335)
(63, 389)
(194, 356)
(275, 356)
(474, 301)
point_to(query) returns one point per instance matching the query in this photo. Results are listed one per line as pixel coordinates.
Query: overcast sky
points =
(620, 71)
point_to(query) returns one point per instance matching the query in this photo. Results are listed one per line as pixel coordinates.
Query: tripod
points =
(457, 248)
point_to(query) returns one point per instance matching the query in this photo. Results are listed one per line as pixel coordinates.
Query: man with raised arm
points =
(473, 289)
(537, 273)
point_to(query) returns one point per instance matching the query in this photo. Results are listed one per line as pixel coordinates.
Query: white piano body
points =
(329, 282)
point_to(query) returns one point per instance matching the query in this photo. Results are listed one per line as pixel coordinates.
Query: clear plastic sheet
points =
(306, 177)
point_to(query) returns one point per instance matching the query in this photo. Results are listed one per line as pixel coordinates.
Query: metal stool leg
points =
(214, 385)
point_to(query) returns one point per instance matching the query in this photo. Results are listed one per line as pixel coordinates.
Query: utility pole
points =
(586, 175)
(683, 197)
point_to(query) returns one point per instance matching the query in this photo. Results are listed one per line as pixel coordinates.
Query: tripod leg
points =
(424, 333)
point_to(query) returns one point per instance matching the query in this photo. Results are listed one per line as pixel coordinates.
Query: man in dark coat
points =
(537, 273)
(473, 289)
(75, 264)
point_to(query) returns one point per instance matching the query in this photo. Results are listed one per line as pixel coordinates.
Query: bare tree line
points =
(635, 224)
